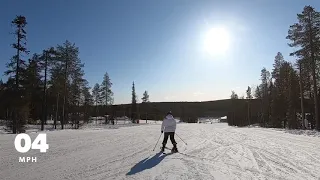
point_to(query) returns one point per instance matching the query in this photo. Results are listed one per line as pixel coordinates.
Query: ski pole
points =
(181, 139)
(157, 143)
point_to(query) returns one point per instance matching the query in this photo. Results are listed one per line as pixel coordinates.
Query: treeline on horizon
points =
(51, 83)
(284, 92)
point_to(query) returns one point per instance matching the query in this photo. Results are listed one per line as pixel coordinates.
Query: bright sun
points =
(216, 41)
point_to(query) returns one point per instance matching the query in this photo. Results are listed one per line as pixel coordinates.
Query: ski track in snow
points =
(214, 151)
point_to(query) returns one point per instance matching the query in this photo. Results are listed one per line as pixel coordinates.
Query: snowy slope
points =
(2, 130)
(214, 151)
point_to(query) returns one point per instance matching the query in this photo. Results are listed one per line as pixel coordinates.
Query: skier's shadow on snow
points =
(147, 163)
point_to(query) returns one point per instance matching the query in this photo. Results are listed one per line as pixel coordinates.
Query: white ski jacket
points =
(168, 124)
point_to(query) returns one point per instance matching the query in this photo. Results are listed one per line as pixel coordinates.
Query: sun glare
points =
(216, 41)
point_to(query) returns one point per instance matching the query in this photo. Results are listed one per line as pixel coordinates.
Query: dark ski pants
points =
(165, 139)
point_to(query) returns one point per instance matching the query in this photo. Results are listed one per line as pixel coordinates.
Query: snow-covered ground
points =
(213, 151)
(94, 125)
(208, 121)
(2, 130)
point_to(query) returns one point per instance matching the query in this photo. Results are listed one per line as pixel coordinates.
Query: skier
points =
(169, 127)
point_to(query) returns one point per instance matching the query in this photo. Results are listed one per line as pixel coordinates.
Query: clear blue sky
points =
(159, 44)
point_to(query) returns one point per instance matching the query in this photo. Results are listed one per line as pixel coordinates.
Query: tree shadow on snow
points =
(147, 163)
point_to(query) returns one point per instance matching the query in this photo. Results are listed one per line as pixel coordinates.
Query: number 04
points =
(39, 143)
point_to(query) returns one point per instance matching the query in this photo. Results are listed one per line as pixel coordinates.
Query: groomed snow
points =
(213, 151)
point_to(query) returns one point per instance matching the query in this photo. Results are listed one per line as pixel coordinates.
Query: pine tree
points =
(69, 63)
(301, 88)
(257, 93)
(275, 113)
(86, 101)
(106, 92)
(249, 95)
(15, 69)
(277, 98)
(292, 95)
(269, 107)
(45, 61)
(234, 95)
(278, 62)
(96, 94)
(265, 92)
(134, 113)
(265, 79)
(32, 84)
(304, 36)
(96, 97)
(145, 97)
(56, 84)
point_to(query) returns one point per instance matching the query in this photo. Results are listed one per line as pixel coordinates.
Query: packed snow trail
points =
(214, 151)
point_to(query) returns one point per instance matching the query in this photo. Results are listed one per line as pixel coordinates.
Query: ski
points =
(171, 150)
(168, 149)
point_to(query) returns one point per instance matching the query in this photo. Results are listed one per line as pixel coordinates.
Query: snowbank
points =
(2, 130)
(254, 126)
(313, 133)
